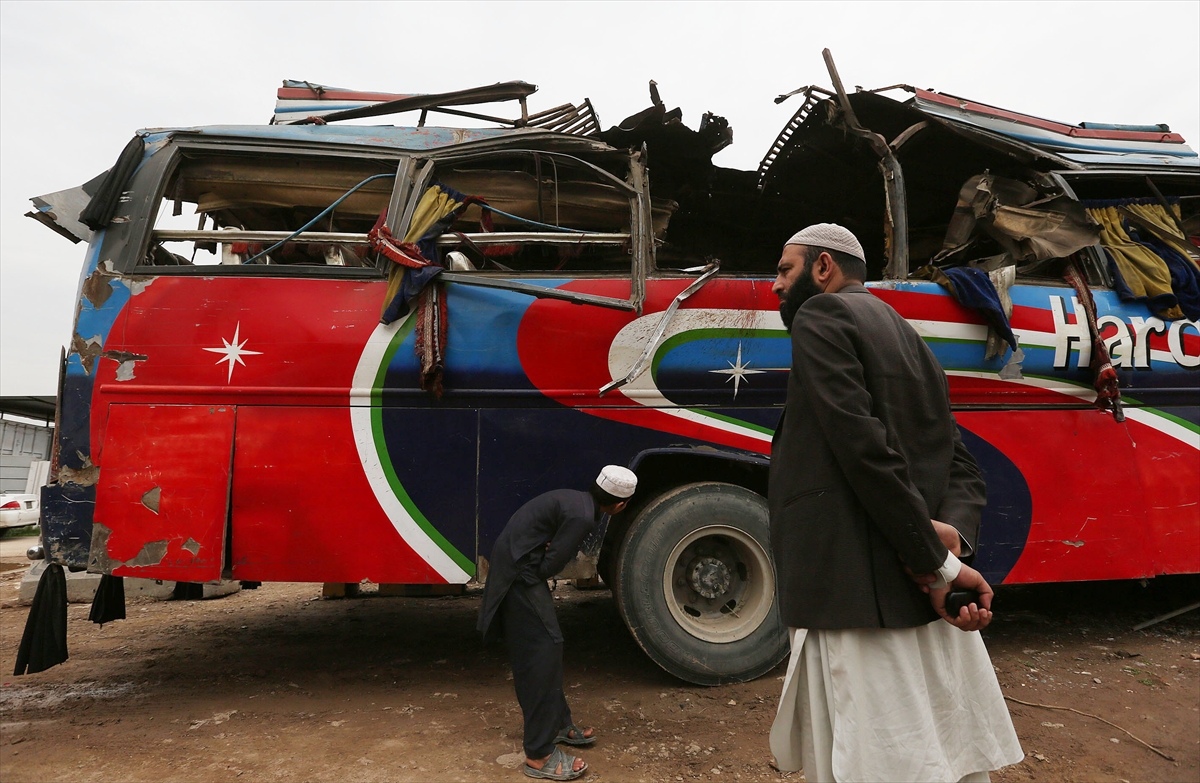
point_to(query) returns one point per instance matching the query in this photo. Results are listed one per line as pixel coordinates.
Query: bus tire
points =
(696, 587)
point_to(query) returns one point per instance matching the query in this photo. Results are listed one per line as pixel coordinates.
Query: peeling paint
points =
(192, 545)
(86, 476)
(152, 553)
(125, 363)
(151, 498)
(98, 561)
(138, 284)
(97, 288)
(88, 350)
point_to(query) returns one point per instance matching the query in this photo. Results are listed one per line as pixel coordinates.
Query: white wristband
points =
(948, 571)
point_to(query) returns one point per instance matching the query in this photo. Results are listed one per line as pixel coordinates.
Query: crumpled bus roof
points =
(391, 137)
(1087, 143)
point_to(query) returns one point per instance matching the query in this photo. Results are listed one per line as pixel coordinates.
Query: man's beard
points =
(802, 290)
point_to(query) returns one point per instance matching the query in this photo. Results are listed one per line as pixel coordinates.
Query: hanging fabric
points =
(108, 603)
(1139, 274)
(417, 263)
(975, 289)
(1185, 275)
(1164, 226)
(44, 642)
(1104, 376)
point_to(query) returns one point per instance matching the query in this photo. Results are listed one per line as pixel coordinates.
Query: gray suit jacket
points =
(866, 453)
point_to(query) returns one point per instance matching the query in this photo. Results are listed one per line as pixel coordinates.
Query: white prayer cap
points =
(830, 236)
(617, 481)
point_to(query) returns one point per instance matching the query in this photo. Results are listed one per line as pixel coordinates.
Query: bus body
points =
(257, 421)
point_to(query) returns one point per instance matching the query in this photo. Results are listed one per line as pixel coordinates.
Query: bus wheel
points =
(696, 587)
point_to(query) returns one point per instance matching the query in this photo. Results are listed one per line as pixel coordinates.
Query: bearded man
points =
(872, 495)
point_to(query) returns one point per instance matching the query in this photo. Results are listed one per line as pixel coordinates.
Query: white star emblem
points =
(737, 371)
(234, 351)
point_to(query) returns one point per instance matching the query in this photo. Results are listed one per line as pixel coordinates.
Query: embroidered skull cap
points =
(617, 481)
(830, 236)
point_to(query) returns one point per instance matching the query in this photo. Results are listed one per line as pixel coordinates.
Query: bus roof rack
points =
(304, 103)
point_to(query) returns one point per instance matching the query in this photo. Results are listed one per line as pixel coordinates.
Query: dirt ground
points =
(278, 684)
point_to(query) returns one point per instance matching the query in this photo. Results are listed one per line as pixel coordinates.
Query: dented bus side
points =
(223, 377)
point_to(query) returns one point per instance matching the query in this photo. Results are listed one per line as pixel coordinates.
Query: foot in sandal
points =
(573, 735)
(557, 766)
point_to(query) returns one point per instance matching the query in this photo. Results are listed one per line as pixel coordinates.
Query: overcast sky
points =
(76, 80)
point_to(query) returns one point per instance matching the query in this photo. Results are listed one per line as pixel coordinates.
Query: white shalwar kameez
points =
(891, 705)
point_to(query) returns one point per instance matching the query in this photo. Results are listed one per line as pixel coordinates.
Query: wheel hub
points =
(710, 577)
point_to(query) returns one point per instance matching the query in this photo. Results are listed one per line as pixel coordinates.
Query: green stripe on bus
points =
(731, 420)
(385, 459)
(1187, 425)
(692, 335)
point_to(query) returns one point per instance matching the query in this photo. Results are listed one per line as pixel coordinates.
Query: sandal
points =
(564, 735)
(556, 758)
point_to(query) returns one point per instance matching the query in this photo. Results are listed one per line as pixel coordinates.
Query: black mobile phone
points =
(957, 599)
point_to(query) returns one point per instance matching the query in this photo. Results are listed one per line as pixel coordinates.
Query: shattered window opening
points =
(546, 213)
(258, 199)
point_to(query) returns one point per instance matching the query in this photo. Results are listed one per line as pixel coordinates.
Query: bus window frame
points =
(414, 173)
(159, 168)
(641, 236)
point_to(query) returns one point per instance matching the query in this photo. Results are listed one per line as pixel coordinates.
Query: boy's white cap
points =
(830, 236)
(617, 481)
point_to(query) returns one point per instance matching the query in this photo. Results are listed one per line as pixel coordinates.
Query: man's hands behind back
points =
(975, 616)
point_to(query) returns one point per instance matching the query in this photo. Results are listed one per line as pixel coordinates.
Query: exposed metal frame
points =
(539, 291)
(334, 237)
(895, 203)
(643, 361)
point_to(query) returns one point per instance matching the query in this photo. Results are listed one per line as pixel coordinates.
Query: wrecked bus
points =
(444, 322)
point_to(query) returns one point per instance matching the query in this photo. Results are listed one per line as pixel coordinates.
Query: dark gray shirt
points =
(563, 519)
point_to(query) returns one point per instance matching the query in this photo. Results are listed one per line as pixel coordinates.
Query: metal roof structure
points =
(31, 407)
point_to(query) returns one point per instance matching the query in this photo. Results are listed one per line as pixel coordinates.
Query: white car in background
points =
(19, 510)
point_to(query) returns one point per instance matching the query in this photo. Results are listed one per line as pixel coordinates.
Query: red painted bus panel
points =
(1083, 511)
(302, 507)
(164, 490)
(1171, 500)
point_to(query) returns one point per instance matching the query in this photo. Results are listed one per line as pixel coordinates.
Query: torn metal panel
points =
(59, 211)
(110, 191)
(1029, 225)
